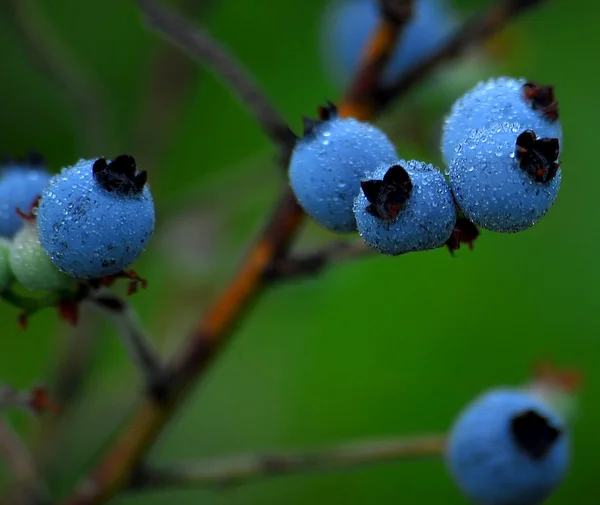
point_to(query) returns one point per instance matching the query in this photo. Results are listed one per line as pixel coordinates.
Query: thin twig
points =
(51, 55)
(479, 28)
(136, 342)
(138, 435)
(312, 263)
(36, 400)
(27, 484)
(11, 398)
(245, 468)
(168, 83)
(360, 100)
(200, 45)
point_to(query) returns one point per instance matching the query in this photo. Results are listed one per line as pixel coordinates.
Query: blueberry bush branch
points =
(380, 200)
(201, 46)
(244, 468)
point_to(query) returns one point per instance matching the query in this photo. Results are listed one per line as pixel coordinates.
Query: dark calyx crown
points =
(326, 113)
(464, 232)
(538, 157)
(541, 98)
(533, 433)
(120, 175)
(388, 197)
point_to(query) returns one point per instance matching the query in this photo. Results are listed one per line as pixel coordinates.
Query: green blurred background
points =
(373, 348)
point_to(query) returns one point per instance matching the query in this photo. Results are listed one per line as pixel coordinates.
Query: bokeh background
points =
(372, 348)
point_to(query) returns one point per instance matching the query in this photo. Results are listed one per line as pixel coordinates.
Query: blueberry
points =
(504, 99)
(328, 163)
(406, 206)
(6, 275)
(21, 182)
(96, 217)
(508, 448)
(504, 180)
(31, 265)
(348, 24)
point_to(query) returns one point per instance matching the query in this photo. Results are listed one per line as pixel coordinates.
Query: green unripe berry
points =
(32, 266)
(6, 275)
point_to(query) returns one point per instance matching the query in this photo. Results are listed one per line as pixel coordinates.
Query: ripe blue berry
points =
(406, 206)
(508, 448)
(531, 105)
(31, 265)
(6, 275)
(328, 163)
(21, 182)
(96, 217)
(348, 24)
(504, 180)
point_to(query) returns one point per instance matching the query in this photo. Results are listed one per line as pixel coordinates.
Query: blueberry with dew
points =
(96, 217)
(405, 206)
(329, 162)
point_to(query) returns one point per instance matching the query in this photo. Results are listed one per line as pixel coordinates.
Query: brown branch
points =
(312, 263)
(36, 400)
(360, 100)
(245, 468)
(145, 425)
(475, 31)
(200, 45)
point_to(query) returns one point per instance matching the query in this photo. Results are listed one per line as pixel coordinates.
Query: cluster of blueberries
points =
(75, 226)
(501, 142)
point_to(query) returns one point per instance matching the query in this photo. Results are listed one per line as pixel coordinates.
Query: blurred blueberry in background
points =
(348, 23)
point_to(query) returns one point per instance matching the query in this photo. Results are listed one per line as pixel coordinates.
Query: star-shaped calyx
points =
(325, 112)
(538, 156)
(541, 98)
(534, 434)
(389, 196)
(119, 175)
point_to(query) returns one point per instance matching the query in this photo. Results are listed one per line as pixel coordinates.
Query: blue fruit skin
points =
(348, 24)
(498, 100)
(425, 222)
(328, 164)
(491, 188)
(486, 462)
(20, 185)
(89, 232)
